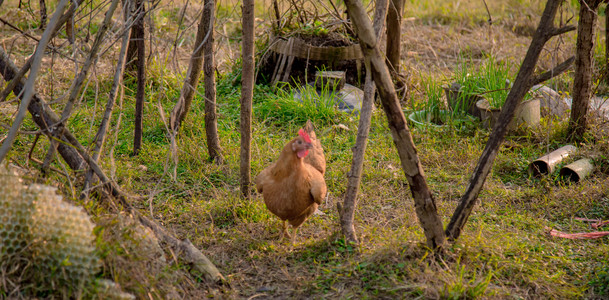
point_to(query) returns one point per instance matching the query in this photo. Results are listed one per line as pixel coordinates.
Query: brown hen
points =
(293, 186)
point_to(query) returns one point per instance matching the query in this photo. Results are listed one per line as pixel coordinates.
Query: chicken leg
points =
(294, 235)
(284, 231)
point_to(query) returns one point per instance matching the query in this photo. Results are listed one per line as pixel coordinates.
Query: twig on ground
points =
(577, 236)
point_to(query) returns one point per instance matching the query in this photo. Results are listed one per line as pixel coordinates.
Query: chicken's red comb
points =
(304, 135)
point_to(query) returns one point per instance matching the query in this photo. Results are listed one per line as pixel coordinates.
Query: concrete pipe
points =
(545, 164)
(578, 170)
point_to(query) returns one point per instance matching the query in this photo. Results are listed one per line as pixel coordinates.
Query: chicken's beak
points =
(308, 145)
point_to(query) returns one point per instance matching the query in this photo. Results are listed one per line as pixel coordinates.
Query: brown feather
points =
(293, 189)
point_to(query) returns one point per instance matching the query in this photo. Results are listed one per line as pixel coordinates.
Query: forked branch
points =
(561, 30)
(425, 205)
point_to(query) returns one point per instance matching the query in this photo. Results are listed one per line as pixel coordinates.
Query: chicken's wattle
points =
(302, 153)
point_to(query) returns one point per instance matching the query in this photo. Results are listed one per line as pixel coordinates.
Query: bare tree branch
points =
(43, 116)
(103, 127)
(79, 81)
(26, 67)
(557, 70)
(425, 205)
(561, 30)
(29, 84)
(191, 81)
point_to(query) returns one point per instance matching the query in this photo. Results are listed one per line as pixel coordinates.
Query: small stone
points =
(341, 127)
(264, 289)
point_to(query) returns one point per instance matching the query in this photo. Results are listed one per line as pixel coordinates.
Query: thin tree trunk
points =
(134, 6)
(582, 83)
(191, 81)
(79, 81)
(347, 212)
(43, 14)
(394, 31)
(522, 84)
(138, 36)
(42, 115)
(103, 127)
(607, 44)
(247, 93)
(30, 82)
(209, 66)
(424, 203)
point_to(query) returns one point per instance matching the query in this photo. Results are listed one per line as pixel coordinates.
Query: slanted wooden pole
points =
(425, 205)
(522, 84)
(347, 210)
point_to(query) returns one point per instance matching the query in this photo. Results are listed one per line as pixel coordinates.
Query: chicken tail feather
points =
(309, 128)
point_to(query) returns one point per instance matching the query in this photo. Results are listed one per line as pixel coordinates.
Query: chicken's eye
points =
(299, 142)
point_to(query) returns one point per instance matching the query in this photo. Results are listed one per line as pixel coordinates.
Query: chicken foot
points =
(294, 236)
(285, 232)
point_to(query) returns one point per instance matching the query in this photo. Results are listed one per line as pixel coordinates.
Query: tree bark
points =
(193, 74)
(394, 31)
(209, 66)
(43, 14)
(247, 93)
(347, 212)
(137, 34)
(522, 84)
(136, 31)
(424, 203)
(582, 83)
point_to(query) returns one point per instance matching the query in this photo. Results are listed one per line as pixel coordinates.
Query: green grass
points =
(491, 80)
(297, 104)
(503, 252)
